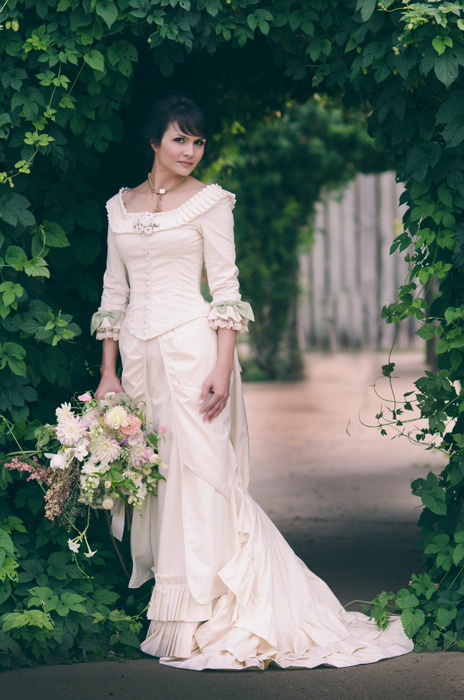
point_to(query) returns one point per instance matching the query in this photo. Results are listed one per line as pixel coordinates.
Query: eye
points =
(200, 142)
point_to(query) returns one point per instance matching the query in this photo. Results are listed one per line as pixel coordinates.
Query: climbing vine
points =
(74, 75)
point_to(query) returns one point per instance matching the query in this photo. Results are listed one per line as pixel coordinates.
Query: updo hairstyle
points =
(176, 108)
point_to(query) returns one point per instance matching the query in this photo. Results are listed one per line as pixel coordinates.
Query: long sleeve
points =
(227, 309)
(110, 315)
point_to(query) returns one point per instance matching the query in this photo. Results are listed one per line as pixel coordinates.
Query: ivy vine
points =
(72, 73)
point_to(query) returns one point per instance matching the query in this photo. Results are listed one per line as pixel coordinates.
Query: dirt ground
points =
(340, 493)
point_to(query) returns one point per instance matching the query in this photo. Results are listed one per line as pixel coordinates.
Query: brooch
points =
(144, 224)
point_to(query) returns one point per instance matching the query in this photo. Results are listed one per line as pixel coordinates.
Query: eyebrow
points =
(179, 133)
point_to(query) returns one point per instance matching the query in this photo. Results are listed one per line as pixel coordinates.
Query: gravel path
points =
(343, 501)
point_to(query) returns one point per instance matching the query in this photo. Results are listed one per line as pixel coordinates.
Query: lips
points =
(185, 162)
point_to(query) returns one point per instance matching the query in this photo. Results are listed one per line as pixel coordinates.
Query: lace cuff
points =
(231, 314)
(107, 324)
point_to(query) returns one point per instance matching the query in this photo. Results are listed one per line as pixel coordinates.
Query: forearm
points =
(226, 346)
(109, 357)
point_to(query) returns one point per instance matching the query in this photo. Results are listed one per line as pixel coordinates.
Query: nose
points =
(188, 150)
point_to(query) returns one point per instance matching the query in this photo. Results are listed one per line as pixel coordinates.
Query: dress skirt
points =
(229, 591)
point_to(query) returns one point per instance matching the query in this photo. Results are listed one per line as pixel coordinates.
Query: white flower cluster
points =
(145, 224)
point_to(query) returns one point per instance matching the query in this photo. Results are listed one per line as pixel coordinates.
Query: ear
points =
(154, 146)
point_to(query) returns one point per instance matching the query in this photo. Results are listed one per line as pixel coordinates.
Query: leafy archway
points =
(70, 91)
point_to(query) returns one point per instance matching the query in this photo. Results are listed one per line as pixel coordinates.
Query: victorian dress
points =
(230, 593)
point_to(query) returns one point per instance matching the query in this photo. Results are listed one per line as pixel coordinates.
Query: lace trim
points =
(231, 314)
(103, 333)
(122, 221)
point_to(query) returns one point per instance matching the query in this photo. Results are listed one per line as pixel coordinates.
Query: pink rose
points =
(132, 426)
(85, 397)
(162, 429)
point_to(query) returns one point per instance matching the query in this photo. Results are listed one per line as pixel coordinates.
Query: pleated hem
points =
(174, 615)
(172, 601)
(170, 639)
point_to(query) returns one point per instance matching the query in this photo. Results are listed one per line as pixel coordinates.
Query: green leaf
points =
(37, 267)
(446, 615)
(108, 11)
(16, 257)
(412, 620)
(458, 554)
(366, 7)
(451, 113)
(14, 209)
(13, 355)
(438, 44)
(445, 196)
(95, 60)
(6, 543)
(447, 68)
(55, 237)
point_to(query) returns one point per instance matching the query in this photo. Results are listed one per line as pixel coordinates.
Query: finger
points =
(205, 390)
(210, 397)
(215, 410)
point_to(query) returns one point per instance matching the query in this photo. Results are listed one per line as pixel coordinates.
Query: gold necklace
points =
(162, 191)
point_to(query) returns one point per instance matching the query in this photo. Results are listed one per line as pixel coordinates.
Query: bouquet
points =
(99, 451)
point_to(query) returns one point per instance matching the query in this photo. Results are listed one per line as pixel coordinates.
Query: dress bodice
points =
(154, 266)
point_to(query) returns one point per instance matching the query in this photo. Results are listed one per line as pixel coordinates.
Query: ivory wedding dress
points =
(230, 593)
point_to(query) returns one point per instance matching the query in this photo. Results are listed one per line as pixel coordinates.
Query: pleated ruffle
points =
(174, 615)
(122, 221)
(171, 600)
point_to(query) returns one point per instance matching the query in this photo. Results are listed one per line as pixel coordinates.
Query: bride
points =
(230, 593)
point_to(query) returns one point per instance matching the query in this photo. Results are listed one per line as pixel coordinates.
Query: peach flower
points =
(85, 397)
(132, 426)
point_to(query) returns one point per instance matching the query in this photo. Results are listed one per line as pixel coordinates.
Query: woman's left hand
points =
(217, 383)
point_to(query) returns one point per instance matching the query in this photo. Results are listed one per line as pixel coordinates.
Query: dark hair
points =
(176, 108)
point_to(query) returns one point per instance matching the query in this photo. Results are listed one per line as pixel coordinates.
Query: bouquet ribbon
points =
(117, 521)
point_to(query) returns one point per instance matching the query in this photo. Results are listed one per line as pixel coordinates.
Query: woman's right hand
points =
(108, 382)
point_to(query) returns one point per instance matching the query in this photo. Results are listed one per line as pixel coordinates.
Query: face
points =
(179, 153)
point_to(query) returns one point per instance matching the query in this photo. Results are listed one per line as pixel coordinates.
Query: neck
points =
(164, 178)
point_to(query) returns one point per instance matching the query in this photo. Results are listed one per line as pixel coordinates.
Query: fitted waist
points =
(146, 322)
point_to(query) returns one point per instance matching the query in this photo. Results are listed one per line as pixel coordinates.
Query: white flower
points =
(80, 452)
(116, 417)
(90, 554)
(137, 439)
(106, 449)
(90, 467)
(107, 484)
(57, 461)
(89, 419)
(107, 503)
(70, 430)
(73, 546)
(137, 455)
(64, 412)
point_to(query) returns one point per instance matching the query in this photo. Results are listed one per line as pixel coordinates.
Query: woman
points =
(230, 593)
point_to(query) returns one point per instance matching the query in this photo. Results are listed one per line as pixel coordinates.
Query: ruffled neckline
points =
(123, 221)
